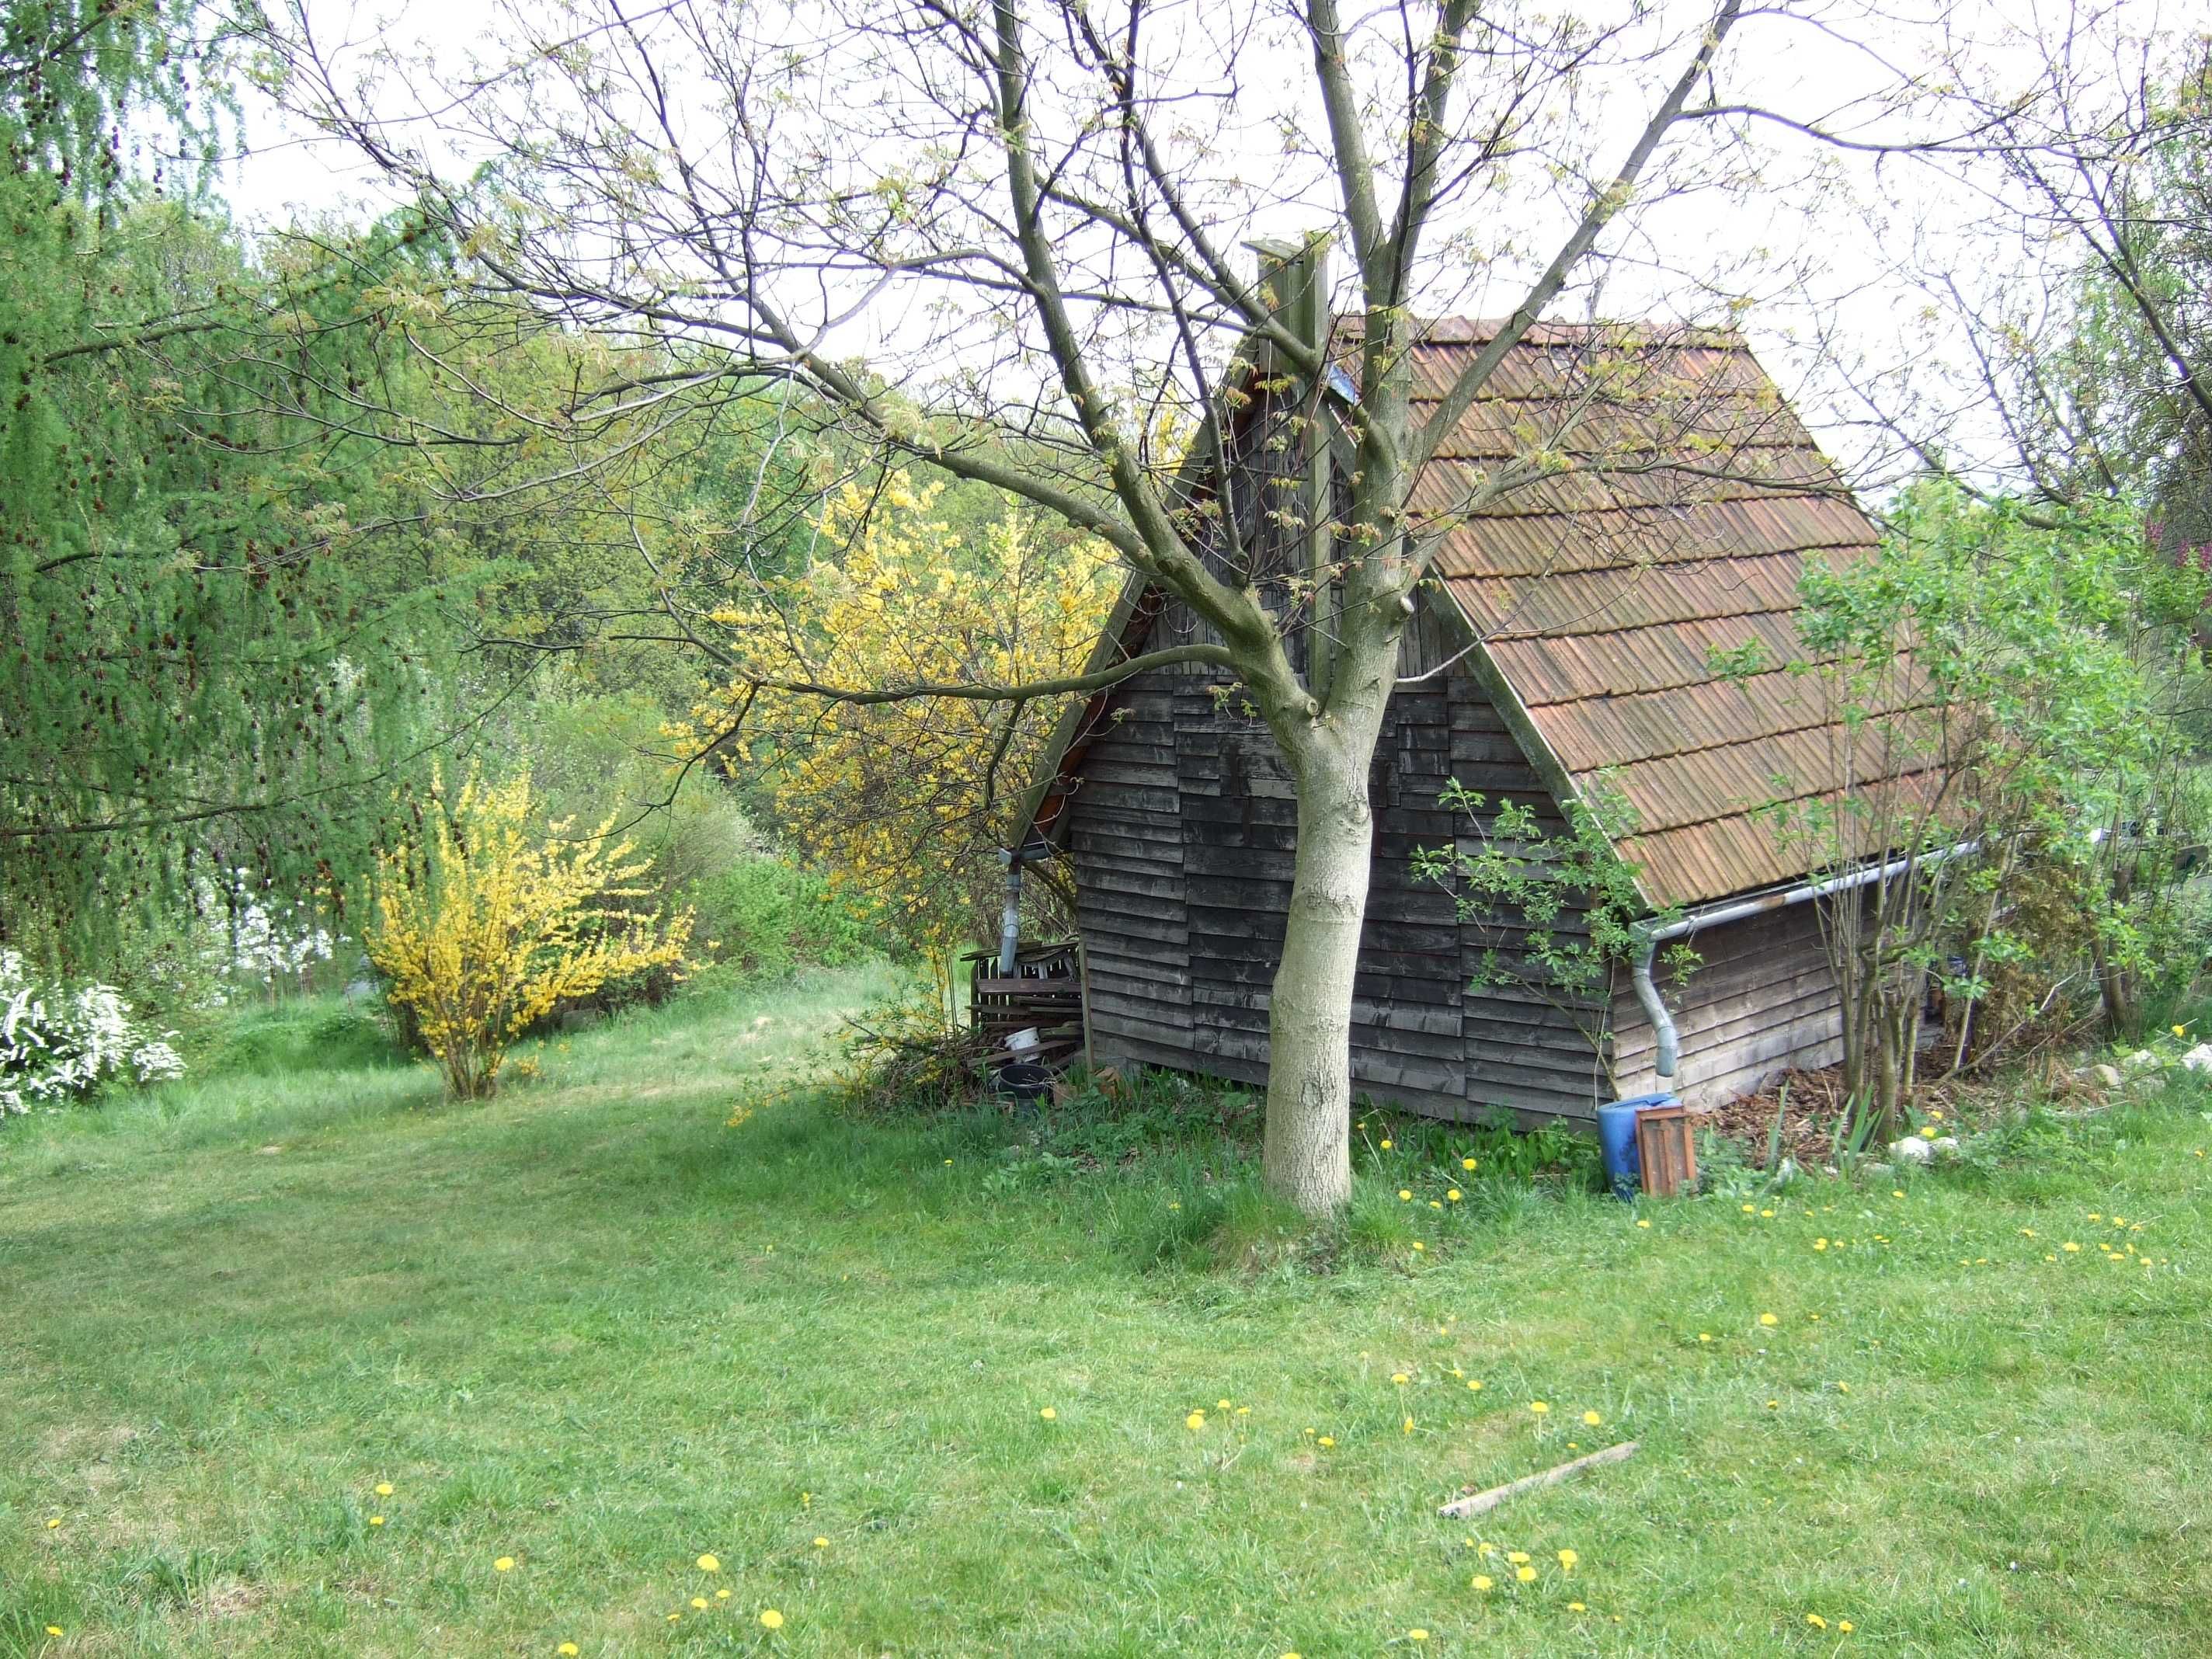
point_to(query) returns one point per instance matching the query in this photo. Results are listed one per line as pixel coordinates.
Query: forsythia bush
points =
(482, 928)
(907, 803)
(58, 1044)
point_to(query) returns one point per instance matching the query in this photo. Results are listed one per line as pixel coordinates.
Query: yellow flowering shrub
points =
(906, 803)
(483, 924)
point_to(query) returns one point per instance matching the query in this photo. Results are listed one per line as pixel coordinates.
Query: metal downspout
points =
(1655, 1009)
(1649, 936)
(1010, 919)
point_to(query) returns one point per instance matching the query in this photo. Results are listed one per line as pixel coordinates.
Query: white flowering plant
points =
(58, 1044)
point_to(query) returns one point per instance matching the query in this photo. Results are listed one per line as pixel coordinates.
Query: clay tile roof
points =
(1680, 503)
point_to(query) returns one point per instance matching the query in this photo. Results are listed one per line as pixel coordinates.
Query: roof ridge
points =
(1455, 329)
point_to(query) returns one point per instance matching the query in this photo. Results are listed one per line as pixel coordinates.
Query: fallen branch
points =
(1481, 1502)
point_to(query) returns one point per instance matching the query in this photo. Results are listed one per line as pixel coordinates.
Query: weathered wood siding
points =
(1181, 831)
(1125, 836)
(1182, 834)
(1764, 1000)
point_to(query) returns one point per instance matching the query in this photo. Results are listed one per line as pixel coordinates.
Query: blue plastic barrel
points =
(1616, 1139)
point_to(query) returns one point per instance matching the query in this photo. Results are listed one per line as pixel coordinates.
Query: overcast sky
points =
(1845, 307)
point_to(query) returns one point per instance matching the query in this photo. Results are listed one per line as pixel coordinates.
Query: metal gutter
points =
(1649, 936)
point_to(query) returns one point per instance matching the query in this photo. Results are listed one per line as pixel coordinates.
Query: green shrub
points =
(766, 915)
(300, 1035)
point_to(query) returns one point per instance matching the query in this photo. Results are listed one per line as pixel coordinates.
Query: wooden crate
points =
(1667, 1148)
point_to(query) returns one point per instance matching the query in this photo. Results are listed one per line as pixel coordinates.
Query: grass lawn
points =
(595, 1331)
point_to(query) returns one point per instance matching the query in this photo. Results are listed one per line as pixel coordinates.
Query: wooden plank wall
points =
(1764, 1000)
(1182, 833)
(1125, 838)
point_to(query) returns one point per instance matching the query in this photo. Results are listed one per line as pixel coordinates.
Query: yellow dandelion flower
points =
(1408, 1427)
(1049, 1414)
(1326, 1440)
(1567, 1559)
(722, 1596)
(1196, 1420)
(375, 1520)
(1453, 1195)
(1577, 1606)
(53, 1630)
(53, 1521)
(1768, 1319)
(708, 1564)
(568, 1648)
(1592, 1419)
(383, 1489)
(771, 1619)
(1466, 1164)
(821, 1543)
(1481, 1581)
(1816, 1622)
(699, 1602)
(1405, 1195)
(1419, 1246)
(1400, 1378)
(1475, 1385)
(1705, 1336)
(1843, 1626)
(1896, 1192)
(1766, 1215)
(2069, 1247)
(1518, 1558)
(1526, 1575)
(1223, 1404)
(1417, 1635)
(1386, 1145)
(505, 1564)
(1434, 1205)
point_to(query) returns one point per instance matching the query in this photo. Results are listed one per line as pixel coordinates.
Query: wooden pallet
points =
(1046, 992)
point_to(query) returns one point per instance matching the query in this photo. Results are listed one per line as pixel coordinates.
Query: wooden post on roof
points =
(1294, 277)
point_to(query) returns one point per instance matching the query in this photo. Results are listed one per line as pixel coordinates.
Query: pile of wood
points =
(1045, 994)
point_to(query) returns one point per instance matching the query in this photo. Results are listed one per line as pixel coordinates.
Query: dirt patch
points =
(89, 1453)
(230, 1598)
(1812, 1107)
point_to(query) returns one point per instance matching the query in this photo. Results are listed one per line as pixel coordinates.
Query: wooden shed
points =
(1572, 640)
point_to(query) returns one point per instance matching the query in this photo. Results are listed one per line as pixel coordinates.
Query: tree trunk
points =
(2116, 990)
(1307, 1153)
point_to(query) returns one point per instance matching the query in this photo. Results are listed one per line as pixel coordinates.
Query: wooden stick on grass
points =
(1478, 1503)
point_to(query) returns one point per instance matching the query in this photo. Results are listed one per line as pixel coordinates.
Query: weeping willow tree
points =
(183, 678)
(258, 548)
